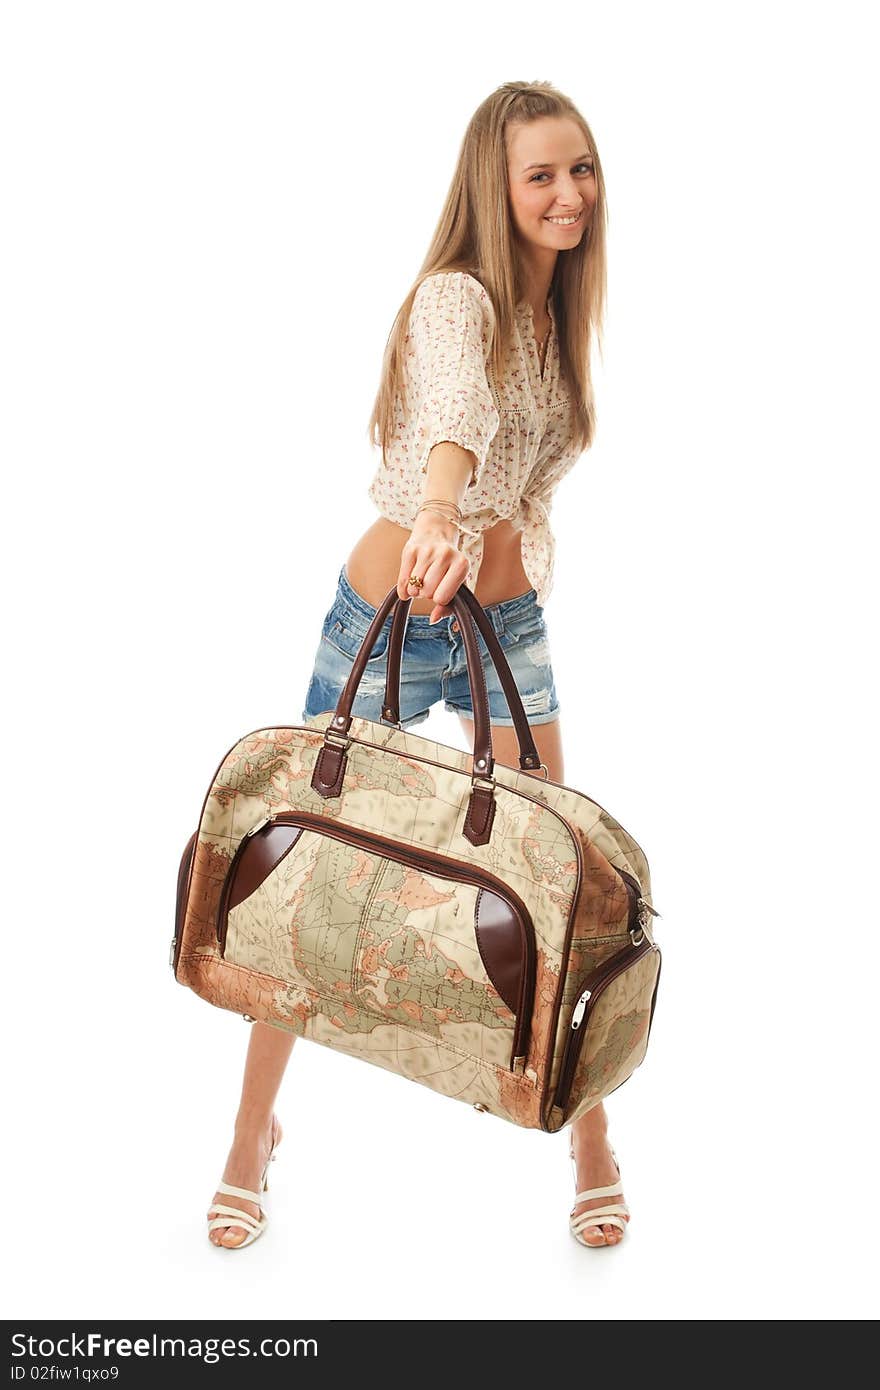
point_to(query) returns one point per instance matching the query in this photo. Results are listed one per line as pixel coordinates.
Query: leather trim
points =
(184, 878)
(480, 814)
(329, 771)
(262, 854)
(502, 949)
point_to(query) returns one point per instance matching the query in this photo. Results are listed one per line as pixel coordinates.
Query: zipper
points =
(432, 762)
(419, 758)
(599, 979)
(637, 911)
(438, 864)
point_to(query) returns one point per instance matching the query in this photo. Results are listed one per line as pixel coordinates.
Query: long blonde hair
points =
(475, 234)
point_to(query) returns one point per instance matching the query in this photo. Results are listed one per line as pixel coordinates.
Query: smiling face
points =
(552, 179)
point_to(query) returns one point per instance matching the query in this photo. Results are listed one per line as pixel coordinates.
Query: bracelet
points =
(439, 502)
(442, 502)
(442, 511)
(445, 515)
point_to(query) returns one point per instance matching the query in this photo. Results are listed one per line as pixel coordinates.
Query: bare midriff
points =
(374, 564)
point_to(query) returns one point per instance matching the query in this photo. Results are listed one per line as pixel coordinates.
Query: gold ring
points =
(419, 583)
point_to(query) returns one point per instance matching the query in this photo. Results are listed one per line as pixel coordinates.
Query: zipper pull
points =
(580, 1009)
(259, 825)
(171, 953)
(644, 907)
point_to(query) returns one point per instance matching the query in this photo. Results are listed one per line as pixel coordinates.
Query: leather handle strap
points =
(329, 770)
(529, 758)
(341, 721)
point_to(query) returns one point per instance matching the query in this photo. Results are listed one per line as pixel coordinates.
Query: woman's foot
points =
(595, 1168)
(248, 1157)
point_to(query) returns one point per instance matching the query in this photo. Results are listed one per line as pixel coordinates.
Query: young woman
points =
(485, 402)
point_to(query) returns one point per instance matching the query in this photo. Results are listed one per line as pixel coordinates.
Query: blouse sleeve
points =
(448, 343)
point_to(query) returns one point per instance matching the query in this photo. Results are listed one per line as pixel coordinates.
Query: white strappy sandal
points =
(234, 1216)
(611, 1214)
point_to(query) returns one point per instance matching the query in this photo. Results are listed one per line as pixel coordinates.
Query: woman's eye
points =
(587, 167)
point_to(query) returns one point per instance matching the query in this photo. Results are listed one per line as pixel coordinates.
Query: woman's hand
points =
(431, 553)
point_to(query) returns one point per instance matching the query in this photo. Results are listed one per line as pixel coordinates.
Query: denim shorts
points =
(432, 665)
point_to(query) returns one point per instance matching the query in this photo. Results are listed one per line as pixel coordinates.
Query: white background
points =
(212, 213)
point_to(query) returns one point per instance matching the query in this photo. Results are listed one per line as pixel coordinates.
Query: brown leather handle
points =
(341, 721)
(329, 770)
(528, 754)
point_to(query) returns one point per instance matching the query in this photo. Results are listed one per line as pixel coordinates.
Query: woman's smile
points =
(566, 219)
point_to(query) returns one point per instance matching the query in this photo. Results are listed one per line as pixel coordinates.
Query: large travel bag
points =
(471, 926)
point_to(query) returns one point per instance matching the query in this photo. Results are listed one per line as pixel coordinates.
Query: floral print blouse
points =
(519, 429)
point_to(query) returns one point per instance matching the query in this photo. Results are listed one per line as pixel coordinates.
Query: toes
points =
(226, 1235)
(233, 1236)
(602, 1235)
(591, 1234)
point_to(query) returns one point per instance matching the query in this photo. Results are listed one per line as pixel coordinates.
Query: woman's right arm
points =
(432, 549)
(455, 422)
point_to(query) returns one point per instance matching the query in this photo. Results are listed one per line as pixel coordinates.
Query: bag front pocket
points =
(413, 937)
(609, 1027)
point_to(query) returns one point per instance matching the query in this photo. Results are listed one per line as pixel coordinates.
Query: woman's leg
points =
(595, 1166)
(256, 1128)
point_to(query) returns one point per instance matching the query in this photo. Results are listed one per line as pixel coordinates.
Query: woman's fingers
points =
(410, 563)
(431, 563)
(432, 570)
(448, 585)
(442, 568)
